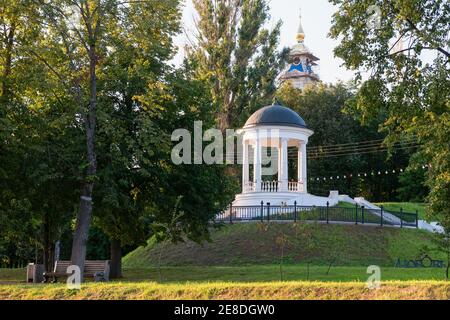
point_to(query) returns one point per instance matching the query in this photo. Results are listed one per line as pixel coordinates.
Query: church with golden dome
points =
(302, 69)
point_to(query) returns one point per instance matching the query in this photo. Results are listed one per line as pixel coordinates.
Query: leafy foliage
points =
(92, 109)
(237, 56)
(39, 142)
(411, 90)
(323, 109)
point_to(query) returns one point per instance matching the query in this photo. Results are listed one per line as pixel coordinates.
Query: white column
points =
(300, 167)
(257, 165)
(284, 164)
(245, 165)
(279, 160)
(304, 173)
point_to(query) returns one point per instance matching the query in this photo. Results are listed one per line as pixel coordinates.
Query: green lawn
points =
(271, 273)
(368, 216)
(406, 206)
(254, 273)
(342, 204)
(409, 207)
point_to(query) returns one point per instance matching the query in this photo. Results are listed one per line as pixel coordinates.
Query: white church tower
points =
(302, 64)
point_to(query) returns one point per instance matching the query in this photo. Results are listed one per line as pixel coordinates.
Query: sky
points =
(316, 21)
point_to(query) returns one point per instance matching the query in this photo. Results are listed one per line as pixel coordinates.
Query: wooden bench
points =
(96, 269)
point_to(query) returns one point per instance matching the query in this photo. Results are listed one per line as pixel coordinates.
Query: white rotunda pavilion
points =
(269, 136)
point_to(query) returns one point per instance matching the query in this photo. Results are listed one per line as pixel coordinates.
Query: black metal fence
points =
(357, 215)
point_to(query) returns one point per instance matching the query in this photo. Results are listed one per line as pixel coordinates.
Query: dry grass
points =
(296, 290)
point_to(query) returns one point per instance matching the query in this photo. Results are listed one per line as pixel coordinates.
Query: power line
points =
(361, 150)
(345, 151)
(356, 153)
(324, 149)
(355, 143)
(353, 147)
(345, 146)
(348, 152)
(331, 155)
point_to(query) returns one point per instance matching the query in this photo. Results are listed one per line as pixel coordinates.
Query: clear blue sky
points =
(316, 20)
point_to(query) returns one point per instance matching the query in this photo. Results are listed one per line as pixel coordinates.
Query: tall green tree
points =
(72, 49)
(75, 42)
(38, 144)
(141, 192)
(110, 50)
(407, 56)
(237, 55)
(185, 198)
(323, 109)
(131, 142)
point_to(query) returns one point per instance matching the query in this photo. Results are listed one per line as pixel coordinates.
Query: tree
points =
(281, 241)
(198, 191)
(323, 109)
(442, 244)
(411, 91)
(14, 211)
(237, 56)
(306, 233)
(168, 231)
(139, 184)
(90, 108)
(130, 139)
(85, 35)
(412, 185)
(39, 141)
(71, 54)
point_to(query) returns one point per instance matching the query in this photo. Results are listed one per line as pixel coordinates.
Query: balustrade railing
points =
(271, 186)
(356, 215)
(274, 186)
(293, 186)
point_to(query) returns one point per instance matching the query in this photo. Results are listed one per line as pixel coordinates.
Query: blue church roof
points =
(298, 67)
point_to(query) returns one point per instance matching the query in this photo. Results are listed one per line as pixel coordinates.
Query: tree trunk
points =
(330, 265)
(446, 270)
(281, 263)
(57, 250)
(163, 243)
(80, 236)
(7, 66)
(47, 246)
(116, 260)
(224, 120)
(448, 260)
(85, 212)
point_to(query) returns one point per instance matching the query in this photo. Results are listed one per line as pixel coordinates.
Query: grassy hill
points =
(256, 243)
(242, 263)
